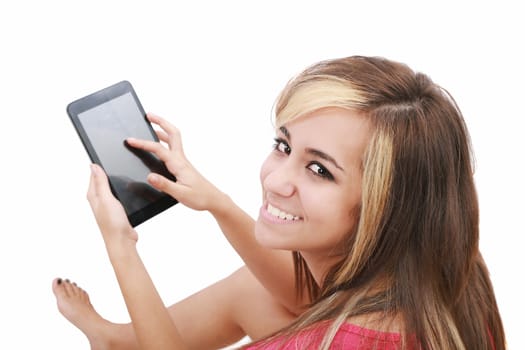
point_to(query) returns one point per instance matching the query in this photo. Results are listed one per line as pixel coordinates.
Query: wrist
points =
(220, 204)
(121, 246)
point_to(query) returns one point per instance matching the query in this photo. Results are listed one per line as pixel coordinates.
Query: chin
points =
(269, 239)
(262, 236)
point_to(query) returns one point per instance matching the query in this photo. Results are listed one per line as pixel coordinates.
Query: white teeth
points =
(273, 211)
(281, 214)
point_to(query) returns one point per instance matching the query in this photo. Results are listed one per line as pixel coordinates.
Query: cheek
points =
(265, 169)
(335, 209)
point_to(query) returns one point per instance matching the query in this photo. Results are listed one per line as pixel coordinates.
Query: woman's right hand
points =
(191, 188)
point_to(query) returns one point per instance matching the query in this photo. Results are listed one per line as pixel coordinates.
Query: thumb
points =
(98, 181)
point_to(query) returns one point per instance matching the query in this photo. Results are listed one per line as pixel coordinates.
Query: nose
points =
(279, 179)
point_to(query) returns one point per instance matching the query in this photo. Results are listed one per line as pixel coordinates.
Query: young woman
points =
(367, 237)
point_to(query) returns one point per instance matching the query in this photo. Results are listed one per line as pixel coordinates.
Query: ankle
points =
(114, 336)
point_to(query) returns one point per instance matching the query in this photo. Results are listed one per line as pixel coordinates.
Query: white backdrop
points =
(214, 70)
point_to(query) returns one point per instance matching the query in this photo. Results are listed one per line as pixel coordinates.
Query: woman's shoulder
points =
(348, 336)
(369, 331)
(372, 331)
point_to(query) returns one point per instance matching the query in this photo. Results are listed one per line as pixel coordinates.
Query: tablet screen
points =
(104, 126)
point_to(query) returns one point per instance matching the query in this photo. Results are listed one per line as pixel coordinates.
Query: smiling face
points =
(312, 182)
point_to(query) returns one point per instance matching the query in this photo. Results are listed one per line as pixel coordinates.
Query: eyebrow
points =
(313, 151)
(285, 132)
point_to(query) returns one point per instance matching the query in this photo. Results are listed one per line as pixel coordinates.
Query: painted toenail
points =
(59, 281)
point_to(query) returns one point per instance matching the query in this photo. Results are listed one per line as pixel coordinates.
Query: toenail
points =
(59, 281)
(67, 280)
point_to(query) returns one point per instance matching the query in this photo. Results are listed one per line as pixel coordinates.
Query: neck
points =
(319, 265)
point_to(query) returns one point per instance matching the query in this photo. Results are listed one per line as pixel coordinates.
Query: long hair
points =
(413, 255)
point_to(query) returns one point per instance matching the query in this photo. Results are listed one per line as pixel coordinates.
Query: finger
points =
(154, 118)
(165, 185)
(174, 138)
(149, 146)
(162, 136)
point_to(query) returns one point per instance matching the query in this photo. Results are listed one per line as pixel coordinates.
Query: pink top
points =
(348, 337)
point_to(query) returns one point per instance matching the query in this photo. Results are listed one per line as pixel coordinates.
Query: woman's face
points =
(312, 182)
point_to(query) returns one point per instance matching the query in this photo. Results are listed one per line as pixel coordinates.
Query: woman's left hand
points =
(109, 212)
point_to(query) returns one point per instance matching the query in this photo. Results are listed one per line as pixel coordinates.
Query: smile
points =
(275, 212)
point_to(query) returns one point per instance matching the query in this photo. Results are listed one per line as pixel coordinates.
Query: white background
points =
(214, 69)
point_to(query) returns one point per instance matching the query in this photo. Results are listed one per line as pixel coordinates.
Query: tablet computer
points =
(103, 120)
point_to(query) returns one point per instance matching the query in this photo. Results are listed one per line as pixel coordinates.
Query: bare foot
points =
(73, 303)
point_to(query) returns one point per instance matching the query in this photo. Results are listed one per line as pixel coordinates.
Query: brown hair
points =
(414, 255)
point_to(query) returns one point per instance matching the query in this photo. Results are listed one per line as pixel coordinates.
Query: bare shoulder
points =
(256, 311)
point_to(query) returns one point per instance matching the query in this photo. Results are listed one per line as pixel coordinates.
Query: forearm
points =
(273, 268)
(153, 326)
(152, 323)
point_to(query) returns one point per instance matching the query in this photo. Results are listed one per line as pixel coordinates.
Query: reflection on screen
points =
(107, 126)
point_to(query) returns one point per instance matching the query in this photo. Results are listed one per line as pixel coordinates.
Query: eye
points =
(320, 171)
(282, 146)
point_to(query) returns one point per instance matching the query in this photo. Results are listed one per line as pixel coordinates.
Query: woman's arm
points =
(273, 268)
(224, 312)
(154, 328)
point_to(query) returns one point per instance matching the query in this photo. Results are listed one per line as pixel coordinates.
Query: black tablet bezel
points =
(100, 97)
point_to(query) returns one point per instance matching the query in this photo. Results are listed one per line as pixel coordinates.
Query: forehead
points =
(342, 133)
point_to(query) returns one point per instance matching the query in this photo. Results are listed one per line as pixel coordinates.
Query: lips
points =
(278, 213)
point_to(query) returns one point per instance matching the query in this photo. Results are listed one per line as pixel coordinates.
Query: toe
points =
(58, 287)
(71, 290)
